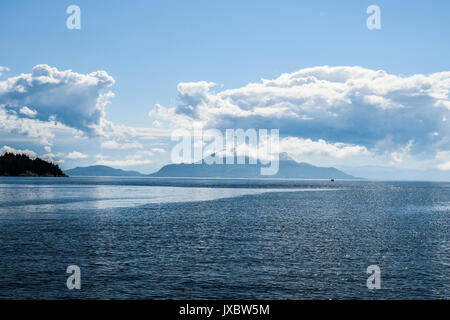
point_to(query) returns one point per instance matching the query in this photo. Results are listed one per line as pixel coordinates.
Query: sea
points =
(169, 238)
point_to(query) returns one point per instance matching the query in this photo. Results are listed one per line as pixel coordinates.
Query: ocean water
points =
(146, 238)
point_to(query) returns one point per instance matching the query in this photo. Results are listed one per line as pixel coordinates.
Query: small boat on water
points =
(332, 180)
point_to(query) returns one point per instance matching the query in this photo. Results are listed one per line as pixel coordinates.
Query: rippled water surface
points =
(142, 238)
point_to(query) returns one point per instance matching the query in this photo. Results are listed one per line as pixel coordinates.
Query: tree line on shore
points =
(21, 165)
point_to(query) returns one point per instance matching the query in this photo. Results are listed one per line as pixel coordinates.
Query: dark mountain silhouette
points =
(21, 165)
(288, 168)
(101, 171)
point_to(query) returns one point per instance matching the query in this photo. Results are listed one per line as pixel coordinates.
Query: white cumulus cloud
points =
(76, 155)
(3, 69)
(28, 112)
(73, 99)
(350, 105)
(112, 144)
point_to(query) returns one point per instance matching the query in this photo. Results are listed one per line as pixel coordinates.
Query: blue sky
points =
(150, 47)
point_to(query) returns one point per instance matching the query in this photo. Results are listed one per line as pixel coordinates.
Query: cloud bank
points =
(335, 111)
(49, 95)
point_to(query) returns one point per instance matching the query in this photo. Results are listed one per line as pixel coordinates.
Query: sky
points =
(113, 91)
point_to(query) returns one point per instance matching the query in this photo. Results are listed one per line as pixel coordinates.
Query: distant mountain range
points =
(288, 168)
(101, 171)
